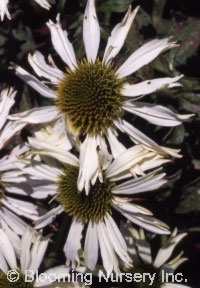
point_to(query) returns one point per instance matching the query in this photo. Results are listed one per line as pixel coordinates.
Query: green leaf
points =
(177, 136)
(114, 6)
(190, 201)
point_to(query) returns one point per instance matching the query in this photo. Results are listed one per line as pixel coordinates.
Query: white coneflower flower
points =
(94, 210)
(91, 95)
(9, 176)
(160, 264)
(33, 247)
(4, 7)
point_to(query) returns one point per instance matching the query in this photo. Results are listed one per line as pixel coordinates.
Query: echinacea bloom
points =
(94, 211)
(32, 250)
(160, 264)
(4, 7)
(9, 176)
(92, 95)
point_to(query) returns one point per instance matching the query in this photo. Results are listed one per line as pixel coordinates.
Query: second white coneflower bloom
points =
(94, 211)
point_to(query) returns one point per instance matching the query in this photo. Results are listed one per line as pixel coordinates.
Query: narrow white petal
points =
(116, 147)
(165, 252)
(91, 31)
(61, 43)
(37, 252)
(10, 129)
(139, 138)
(7, 97)
(127, 160)
(88, 168)
(26, 242)
(150, 86)
(118, 36)
(34, 82)
(38, 63)
(7, 250)
(155, 114)
(117, 239)
(145, 183)
(147, 222)
(16, 241)
(45, 148)
(49, 113)
(3, 264)
(109, 258)
(73, 243)
(144, 55)
(46, 4)
(91, 246)
(48, 217)
(4, 9)
(13, 221)
(130, 207)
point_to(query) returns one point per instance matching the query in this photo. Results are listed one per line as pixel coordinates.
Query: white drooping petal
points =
(144, 55)
(3, 264)
(26, 243)
(143, 247)
(117, 239)
(91, 31)
(12, 235)
(45, 148)
(127, 159)
(13, 221)
(45, 3)
(49, 113)
(122, 204)
(109, 258)
(150, 86)
(39, 170)
(156, 114)
(145, 183)
(34, 82)
(6, 162)
(6, 248)
(73, 243)
(22, 208)
(6, 102)
(166, 251)
(139, 138)
(55, 134)
(37, 252)
(116, 147)
(139, 218)
(118, 36)
(91, 246)
(61, 43)
(10, 129)
(4, 9)
(88, 168)
(48, 217)
(38, 63)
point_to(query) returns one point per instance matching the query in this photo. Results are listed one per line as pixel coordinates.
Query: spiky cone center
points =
(90, 97)
(145, 282)
(20, 283)
(92, 207)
